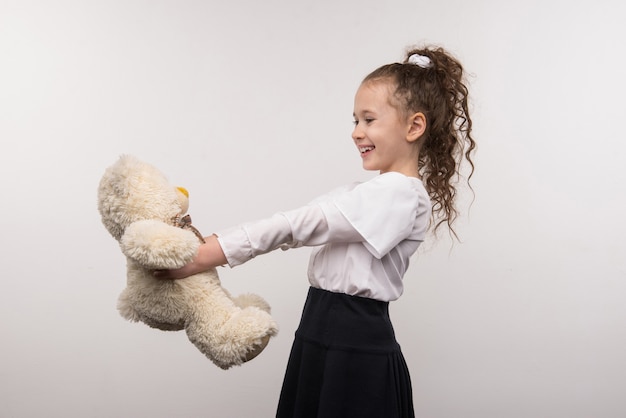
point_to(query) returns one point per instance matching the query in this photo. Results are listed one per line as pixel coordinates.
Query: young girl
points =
(413, 126)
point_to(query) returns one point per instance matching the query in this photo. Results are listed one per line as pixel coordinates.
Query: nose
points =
(183, 191)
(357, 133)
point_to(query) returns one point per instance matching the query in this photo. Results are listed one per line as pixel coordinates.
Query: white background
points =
(248, 104)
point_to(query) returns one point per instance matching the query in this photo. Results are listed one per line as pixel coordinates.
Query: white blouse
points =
(365, 233)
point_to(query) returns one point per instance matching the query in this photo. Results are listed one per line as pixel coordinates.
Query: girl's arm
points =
(235, 246)
(379, 213)
(209, 255)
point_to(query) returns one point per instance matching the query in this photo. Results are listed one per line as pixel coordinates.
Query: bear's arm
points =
(157, 245)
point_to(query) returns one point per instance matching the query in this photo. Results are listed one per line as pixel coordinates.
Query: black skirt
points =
(345, 362)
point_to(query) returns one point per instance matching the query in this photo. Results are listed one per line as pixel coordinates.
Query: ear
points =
(417, 127)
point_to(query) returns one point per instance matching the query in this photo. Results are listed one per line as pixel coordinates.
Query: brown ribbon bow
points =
(184, 222)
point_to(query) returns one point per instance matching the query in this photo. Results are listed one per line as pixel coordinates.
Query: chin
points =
(368, 167)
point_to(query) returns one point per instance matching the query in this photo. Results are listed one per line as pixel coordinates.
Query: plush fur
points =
(137, 204)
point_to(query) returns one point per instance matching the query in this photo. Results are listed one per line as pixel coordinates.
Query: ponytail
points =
(431, 81)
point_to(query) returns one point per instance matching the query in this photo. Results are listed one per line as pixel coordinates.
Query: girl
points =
(413, 126)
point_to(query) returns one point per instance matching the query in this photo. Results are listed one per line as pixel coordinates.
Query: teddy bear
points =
(148, 217)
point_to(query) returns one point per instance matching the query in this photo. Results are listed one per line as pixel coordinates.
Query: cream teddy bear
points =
(146, 215)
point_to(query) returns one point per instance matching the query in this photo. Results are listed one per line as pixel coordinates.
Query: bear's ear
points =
(156, 245)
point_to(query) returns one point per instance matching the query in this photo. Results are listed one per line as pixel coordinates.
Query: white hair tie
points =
(420, 60)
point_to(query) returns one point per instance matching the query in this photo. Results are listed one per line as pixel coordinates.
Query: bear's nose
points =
(183, 191)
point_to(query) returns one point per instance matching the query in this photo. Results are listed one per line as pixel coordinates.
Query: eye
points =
(366, 120)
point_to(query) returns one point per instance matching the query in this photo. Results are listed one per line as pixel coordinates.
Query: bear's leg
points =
(239, 336)
(250, 299)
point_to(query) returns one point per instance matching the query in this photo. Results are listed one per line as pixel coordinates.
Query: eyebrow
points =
(364, 111)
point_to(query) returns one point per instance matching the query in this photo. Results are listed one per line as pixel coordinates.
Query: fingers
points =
(163, 275)
(177, 274)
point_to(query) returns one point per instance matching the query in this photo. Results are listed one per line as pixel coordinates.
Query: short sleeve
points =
(383, 210)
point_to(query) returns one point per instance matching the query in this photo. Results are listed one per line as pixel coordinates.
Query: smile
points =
(366, 149)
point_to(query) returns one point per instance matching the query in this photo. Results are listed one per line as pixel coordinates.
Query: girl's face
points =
(386, 139)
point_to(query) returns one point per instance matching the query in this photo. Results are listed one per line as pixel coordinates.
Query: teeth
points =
(365, 149)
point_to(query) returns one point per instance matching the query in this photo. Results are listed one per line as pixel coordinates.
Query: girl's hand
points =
(210, 255)
(185, 271)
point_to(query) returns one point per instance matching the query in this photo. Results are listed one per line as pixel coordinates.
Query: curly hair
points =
(438, 90)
